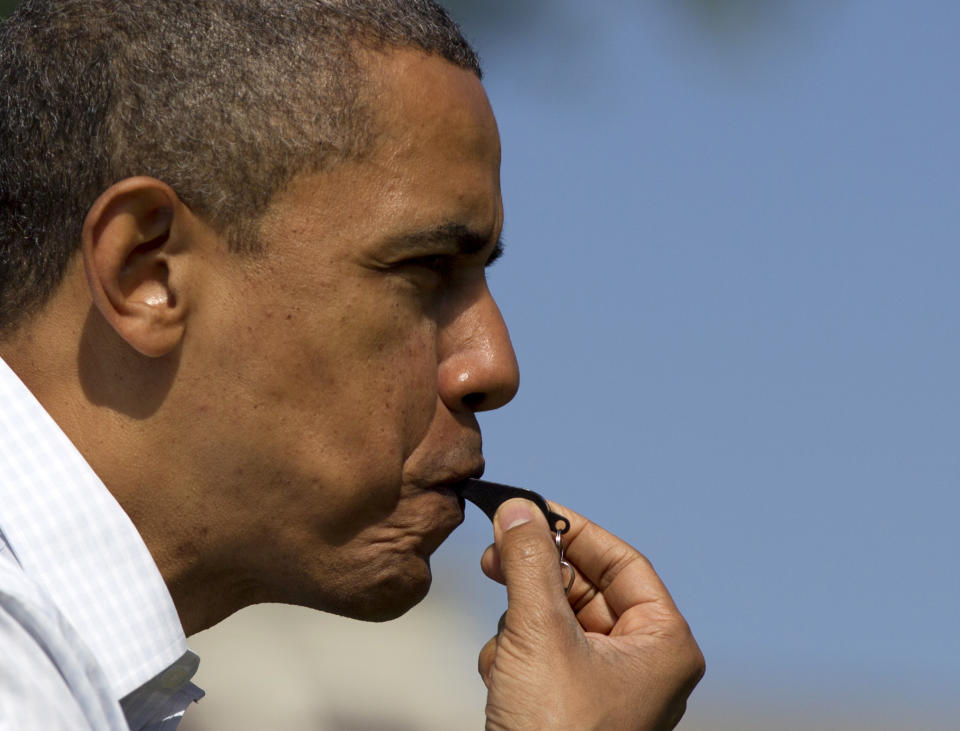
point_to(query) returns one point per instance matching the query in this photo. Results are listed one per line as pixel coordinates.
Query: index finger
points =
(620, 572)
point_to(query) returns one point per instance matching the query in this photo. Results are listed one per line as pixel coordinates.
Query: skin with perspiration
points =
(282, 427)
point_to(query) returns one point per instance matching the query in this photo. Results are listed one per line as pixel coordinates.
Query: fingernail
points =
(513, 513)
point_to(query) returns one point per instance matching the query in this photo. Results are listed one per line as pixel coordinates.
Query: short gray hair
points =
(224, 100)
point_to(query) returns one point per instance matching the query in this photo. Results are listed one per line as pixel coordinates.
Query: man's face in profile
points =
(355, 352)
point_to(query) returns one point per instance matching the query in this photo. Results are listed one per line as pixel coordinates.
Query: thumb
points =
(530, 566)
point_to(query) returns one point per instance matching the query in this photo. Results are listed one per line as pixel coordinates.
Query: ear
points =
(133, 255)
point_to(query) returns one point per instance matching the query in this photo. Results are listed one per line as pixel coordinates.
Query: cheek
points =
(388, 369)
(359, 373)
(324, 405)
(376, 407)
(411, 392)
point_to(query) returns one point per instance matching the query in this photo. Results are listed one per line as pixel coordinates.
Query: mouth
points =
(446, 508)
(456, 483)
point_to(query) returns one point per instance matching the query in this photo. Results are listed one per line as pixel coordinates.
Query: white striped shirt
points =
(86, 620)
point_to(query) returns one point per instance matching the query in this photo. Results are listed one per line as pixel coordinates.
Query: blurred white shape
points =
(274, 666)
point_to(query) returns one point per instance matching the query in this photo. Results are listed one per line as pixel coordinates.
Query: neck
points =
(112, 403)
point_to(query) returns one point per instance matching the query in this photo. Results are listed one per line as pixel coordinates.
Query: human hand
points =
(615, 653)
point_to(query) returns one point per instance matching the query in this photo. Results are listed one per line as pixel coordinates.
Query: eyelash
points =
(443, 265)
(438, 263)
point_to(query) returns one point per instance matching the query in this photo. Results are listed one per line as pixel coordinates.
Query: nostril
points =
(474, 401)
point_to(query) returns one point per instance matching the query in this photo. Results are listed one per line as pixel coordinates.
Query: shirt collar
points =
(72, 537)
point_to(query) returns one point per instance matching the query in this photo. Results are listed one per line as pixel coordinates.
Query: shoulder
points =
(48, 679)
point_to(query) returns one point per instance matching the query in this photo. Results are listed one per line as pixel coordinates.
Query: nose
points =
(478, 369)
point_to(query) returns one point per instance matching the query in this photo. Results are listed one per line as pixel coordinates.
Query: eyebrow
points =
(463, 239)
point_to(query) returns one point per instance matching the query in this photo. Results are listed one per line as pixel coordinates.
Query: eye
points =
(440, 264)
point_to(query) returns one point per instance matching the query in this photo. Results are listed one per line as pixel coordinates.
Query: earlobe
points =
(133, 256)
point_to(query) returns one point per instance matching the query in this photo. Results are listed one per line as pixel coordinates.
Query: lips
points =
(449, 489)
(439, 511)
(447, 481)
(451, 479)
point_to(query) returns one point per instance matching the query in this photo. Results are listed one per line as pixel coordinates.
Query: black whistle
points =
(488, 496)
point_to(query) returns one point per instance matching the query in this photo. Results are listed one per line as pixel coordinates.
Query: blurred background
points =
(731, 279)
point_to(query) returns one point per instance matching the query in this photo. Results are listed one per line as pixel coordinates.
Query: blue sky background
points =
(731, 280)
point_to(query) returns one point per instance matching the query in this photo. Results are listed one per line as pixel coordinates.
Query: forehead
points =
(433, 126)
(417, 96)
(433, 158)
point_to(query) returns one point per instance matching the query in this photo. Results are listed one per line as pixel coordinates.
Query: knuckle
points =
(690, 656)
(644, 561)
(688, 659)
(682, 629)
(699, 666)
(486, 657)
(616, 559)
(675, 627)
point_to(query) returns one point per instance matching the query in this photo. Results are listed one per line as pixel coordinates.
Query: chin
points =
(390, 596)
